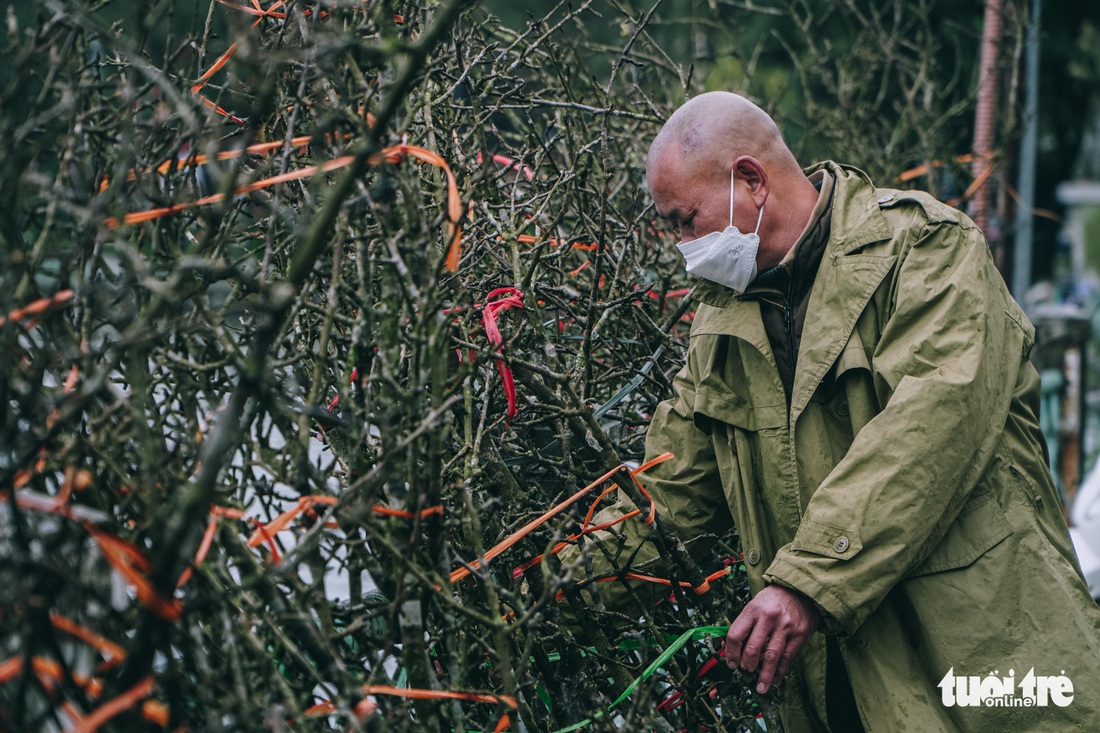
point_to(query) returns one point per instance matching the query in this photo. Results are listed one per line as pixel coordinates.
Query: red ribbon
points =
(506, 298)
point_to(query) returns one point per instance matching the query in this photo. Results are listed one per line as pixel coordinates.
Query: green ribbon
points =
(702, 632)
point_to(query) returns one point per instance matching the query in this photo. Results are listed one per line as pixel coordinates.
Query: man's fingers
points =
(731, 648)
(772, 627)
(756, 644)
(772, 658)
(738, 633)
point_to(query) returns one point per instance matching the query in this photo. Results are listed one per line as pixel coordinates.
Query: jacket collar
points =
(846, 280)
(855, 222)
(795, 274)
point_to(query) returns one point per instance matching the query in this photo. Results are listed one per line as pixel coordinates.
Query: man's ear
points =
(752, 171)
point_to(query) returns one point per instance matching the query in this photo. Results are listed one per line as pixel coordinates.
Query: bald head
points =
(716, 127)
(719, 145)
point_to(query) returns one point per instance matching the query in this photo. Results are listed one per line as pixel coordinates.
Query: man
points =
(858, 401)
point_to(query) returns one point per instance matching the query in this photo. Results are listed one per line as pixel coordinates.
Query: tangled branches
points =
(295, 385)
(314, 312)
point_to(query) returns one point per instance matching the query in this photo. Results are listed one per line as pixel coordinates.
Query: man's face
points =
(695, 201)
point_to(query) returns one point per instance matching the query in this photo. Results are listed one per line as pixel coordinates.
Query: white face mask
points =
(727, 257)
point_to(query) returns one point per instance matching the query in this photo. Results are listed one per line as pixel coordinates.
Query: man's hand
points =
(772, 627)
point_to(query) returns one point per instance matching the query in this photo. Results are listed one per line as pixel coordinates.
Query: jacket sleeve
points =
(947, 361)
(687, 491)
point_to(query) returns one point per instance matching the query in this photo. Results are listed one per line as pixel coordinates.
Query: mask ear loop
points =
(759, 217)
(731, 199)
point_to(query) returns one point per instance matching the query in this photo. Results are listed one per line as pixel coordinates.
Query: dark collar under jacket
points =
(783, 291)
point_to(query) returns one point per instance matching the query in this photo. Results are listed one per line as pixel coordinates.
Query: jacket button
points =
(842, 409)
(752, 556)
(886, 199)
(841, 544)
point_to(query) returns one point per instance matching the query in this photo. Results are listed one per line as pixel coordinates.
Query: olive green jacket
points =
(905, 488)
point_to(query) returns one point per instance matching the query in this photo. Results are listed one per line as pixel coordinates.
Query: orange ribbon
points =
(512, 539)
(393, 154)
(113, 653)
(131, 563)
(38, 307)
(113, 707)
(386, 511)
(324, 708)
(208, 539)
(264, 531)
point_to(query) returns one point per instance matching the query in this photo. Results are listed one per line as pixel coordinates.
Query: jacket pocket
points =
(735, 411)
(1027, 486)
(979, 527)
(735, 384)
